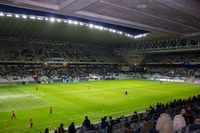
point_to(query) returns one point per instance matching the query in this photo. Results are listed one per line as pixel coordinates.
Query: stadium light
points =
(16, 15)
(113, 31)
(106, 29)
(58, 20)
(24, 16)
(140, 35)
(81, 24)
(9, 15)
(1, 14)
(96, 27)
(75, 22)
(91, 25)
(119, 32)
(32, 17)
(100, 27)
(70, 21)
(52, 19)
(39, 18)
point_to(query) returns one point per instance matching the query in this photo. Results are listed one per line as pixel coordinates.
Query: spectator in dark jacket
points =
(103, 125)
(61, 128)
(86, 122)
(72, 128)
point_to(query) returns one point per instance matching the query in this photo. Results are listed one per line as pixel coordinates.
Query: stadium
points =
(99, 66)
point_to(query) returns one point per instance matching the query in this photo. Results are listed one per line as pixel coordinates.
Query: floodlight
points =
(52, 19)
(58, 20)
(32, 17)
(119, 32)
(113, 31)
(16, 15)
(80, 23)
(39, 18)
(1, 14)
(100, 27)
(24, 16)
(96, 26)
(91, 25)
(75, 22)
(70, 21)
(9, 15)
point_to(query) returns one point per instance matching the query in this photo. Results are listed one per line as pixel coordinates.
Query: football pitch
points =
(73, 101)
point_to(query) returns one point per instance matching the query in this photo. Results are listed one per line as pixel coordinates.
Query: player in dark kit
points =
(13, 114)
(31, 123)
(50, 110)
(126, 92)
(36, 88)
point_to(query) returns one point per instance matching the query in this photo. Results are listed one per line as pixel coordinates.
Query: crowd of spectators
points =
(184, 58)
(177, 116)
(31, 73)
(39, 72)
(35, 50)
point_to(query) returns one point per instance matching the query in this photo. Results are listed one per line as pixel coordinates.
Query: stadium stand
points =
(35, 50)
(32, 57)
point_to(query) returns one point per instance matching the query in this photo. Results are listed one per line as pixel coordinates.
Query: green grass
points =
(72, 101)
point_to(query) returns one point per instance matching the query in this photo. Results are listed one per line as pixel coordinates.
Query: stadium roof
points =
(179, 17)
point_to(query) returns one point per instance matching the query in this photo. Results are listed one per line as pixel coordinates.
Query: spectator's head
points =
(146, 119)
(196, 119)
(61, 124)
(46, 130)
(127, 125)
(182, 111)
(72, 123)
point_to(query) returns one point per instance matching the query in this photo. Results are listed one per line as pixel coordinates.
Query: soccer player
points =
(50, 110)
(126, 92)
(31, 123)
(13, 114)
(36, 88)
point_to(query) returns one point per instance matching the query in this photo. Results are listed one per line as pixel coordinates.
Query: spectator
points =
(110, 124)
(46, 130)
(135, 117)
(147, 126)
(164, 123)
(192, 128)
(61, 128)
(179, 120)
(103, 125)
(128, 128)
(72, 128)
(86, 123)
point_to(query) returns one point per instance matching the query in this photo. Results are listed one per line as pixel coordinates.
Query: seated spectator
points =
(164, 123)
(46, 130)
(128, 128)
(103, 125)
(61, 128)
(110, 124)
(71, 128)
(192, 128)
(135, 117)
(179, 120)
(146, 126)
(86, 123)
